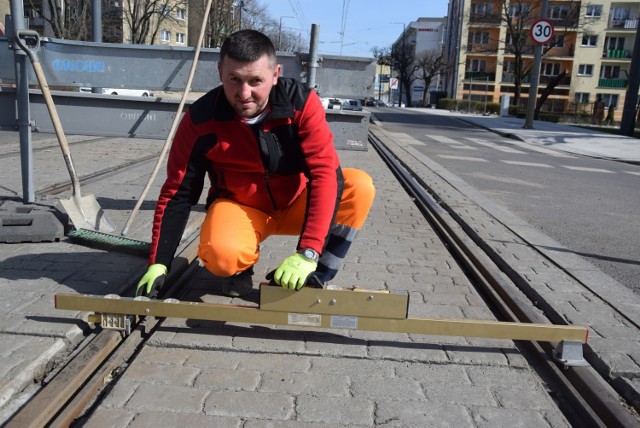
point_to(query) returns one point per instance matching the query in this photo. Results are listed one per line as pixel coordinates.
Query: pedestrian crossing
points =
(468, 145)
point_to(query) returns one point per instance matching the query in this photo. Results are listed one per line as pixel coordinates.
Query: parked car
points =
(335, 104)
(352, 104)
(370, 102)
(122, 91)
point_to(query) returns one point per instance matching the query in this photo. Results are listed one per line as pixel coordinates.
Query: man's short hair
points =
(247, 46)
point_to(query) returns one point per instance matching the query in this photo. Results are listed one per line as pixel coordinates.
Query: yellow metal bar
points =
(255, 315)
(355, 302)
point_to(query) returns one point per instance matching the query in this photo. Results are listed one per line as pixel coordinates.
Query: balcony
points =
(616, 53)
(480, 75)
(485, 18)
(623, 24)
(612, 83)
(482, 49)
(565, 81)
(510, 78)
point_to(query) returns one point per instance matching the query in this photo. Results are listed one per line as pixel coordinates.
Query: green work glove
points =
(293, 271)
(152, 281)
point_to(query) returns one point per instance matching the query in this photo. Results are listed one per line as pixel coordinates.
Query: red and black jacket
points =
(265, 166)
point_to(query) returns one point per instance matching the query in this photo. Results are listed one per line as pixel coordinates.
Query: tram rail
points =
(585, 397)
(589, 398)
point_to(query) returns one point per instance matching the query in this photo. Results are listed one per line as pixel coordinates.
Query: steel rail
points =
(85, 376)
(57, 188)
(589, 398)
(53, 146)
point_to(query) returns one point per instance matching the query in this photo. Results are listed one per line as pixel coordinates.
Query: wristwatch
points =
(310, 254)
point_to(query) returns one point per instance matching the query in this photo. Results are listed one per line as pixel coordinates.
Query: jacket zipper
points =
(269, 192)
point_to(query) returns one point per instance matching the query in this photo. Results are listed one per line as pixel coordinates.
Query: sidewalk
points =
(336, 379)
(568, 138)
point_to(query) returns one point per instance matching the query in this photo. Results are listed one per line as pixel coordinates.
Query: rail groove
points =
(588, 399)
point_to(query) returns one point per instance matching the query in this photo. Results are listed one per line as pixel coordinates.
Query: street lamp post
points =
(280, 31)
(402, 64)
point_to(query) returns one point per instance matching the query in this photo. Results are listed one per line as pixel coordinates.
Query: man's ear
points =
(220, 70)
(276, 73)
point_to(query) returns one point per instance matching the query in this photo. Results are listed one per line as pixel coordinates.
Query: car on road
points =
(122, 91)
(352, 104)
(334, 104)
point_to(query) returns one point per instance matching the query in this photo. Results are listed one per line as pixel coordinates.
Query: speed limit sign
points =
(541, 31)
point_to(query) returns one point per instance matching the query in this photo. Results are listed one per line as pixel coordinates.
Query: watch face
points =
(310, 254)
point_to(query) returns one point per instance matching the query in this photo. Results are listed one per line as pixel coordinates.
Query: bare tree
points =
(519, 16)
(145, 17)
(403, 62)
(67, 19)
(430, 64)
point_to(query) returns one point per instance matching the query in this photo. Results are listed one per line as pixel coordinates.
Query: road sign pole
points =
(535, 73)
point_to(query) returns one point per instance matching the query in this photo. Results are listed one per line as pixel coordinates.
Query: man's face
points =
(247, 84)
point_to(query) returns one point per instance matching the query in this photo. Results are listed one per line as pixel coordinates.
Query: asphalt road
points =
(590, 206)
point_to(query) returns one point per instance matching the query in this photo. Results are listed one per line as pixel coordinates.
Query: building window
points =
(585, 70)
(519, 10)
(594, 11)
(480, 9)
(610, 72)
(180, 37)
(165, 10)
(590, 40)
(610, 100)
(615, 43)
(165, 36)
(550, 69)
(556, 42)
(181, 14)
(479, 37)
(558, 12)
(477, 65)
(582, 97)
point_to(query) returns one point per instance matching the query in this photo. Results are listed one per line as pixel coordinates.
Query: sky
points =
(366, 23)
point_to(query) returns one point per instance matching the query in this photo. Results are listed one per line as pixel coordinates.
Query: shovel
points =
(84, 211)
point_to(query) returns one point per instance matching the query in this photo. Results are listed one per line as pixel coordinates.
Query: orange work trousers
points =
(231, 232)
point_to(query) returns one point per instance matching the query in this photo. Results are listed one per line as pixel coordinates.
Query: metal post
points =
(402, 64)
(629, 111)
(24, 114)
(470, 88)
(280, 31)
(313, 55)
(96, 29)
(535, 75)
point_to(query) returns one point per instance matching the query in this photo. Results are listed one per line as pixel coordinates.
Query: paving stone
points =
(314, 384)
(235, 380)
(490, 417)
(467, 395)
(420, 415)
(141, 371)
(163, 419)
(254, 423)
(386, 389)
(168, 398)
(110, 418)
(165, 356)
(476, 355)
(336, 411)
(263, 362)
(250, 405)
(523, 399)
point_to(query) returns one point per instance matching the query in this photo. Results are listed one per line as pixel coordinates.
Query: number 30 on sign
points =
(541, 31)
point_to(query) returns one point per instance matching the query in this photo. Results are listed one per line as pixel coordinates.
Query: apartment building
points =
(591, 48)
(419, 36)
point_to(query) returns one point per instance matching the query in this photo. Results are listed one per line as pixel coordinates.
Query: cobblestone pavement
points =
(214, 374)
